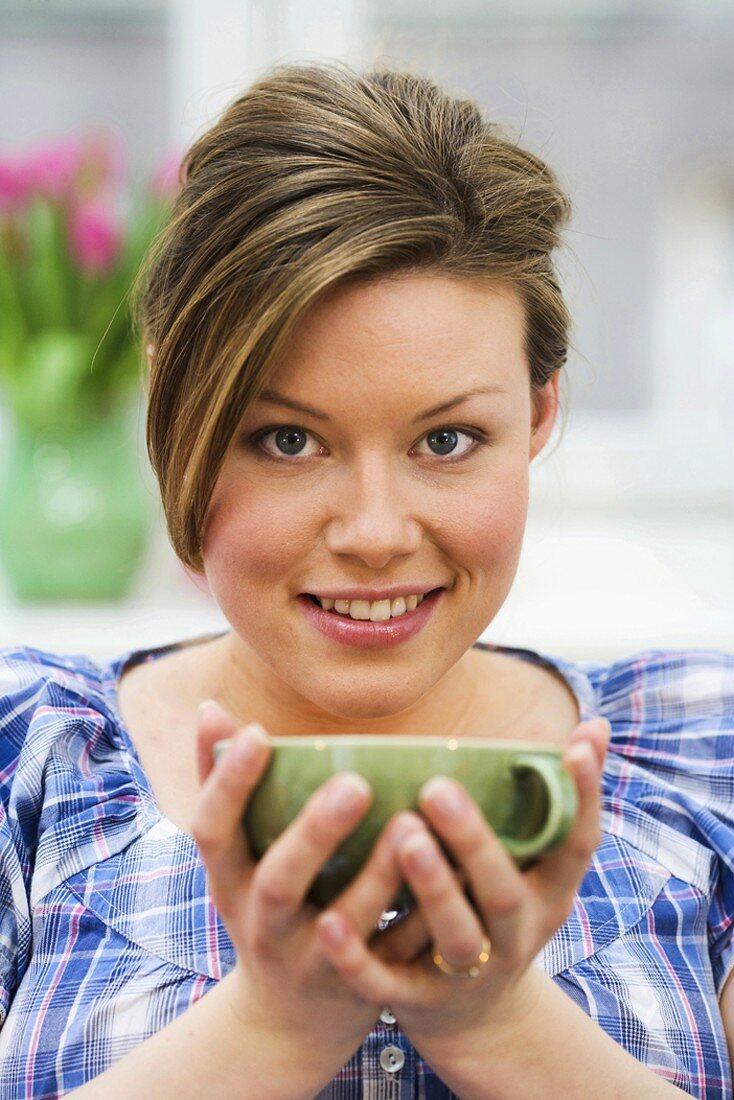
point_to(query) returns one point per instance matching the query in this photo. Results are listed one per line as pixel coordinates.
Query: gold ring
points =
(470, 971)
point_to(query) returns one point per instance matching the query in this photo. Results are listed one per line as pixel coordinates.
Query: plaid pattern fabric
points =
(107, 931)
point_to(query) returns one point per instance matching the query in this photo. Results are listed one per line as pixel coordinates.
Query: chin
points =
(375, 703)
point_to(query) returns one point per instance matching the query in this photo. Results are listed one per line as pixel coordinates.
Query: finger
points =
(409, 937)
(286, 872)
(452, 923)
(371, 978)
(218, 826)
(404, 941)
(497, 887)
(213, 724)
(597, 731)
(376, 886)
(559, 874)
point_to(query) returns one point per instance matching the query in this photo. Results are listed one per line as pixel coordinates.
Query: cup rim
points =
(373, 740)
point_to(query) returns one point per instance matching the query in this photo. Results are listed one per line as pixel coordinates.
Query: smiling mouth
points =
(376, 611)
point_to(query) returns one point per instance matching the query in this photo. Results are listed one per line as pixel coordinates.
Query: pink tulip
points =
(12, 185)
(64, 169)
(164, 183)
(94, 238)
(102, 163)
(52, 169)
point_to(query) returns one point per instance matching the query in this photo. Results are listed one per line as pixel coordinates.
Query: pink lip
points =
(340, 628)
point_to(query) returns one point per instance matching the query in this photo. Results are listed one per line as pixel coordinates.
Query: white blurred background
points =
(630, 539)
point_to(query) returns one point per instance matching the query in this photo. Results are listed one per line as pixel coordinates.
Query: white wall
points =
(631, 534)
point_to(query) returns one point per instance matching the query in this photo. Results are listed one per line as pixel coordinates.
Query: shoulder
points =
(69, 791)
(672, 718)
(664, 688)
(25, 672)
(41, 693)
(694, 681)
(24, 666)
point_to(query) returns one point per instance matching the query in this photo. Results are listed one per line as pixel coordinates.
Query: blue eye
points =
(446, 441)
(291, 441)
(443, 440)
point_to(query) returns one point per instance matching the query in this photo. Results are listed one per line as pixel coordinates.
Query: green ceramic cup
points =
(523, 790)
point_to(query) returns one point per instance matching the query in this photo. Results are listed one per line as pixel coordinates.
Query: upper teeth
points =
(377, 611)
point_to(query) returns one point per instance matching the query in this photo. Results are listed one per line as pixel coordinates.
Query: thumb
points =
(213, 723)
(597, 732)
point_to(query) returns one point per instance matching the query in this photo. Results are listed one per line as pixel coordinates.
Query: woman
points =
(355, 337)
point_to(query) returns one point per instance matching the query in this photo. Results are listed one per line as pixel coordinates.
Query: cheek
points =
(491, 522)
(252, 533)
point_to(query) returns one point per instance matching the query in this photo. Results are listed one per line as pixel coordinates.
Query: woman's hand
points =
(518, 911)
(282, 980)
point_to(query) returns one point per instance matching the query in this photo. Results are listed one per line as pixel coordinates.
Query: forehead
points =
(417, 329)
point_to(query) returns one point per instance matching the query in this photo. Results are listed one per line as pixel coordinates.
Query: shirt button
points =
(387, 1017)
(392, 1059)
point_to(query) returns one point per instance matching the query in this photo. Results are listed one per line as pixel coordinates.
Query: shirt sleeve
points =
(721, 913)
(21, 684)
(672, 715)
(708, 698)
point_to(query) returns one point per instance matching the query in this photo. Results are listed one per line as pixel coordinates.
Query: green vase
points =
(75, 510)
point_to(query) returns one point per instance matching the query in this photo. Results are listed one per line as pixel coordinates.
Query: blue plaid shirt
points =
(107, 932)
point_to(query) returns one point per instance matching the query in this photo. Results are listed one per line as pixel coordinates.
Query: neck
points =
(250, 691)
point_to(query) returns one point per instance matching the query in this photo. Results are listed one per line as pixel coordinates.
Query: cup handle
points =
(562, 806)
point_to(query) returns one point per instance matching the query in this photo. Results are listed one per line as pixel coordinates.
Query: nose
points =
(372, 516)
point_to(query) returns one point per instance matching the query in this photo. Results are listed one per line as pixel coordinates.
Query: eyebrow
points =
(274, 398)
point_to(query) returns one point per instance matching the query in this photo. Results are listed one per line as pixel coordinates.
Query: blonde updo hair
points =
(315, 175)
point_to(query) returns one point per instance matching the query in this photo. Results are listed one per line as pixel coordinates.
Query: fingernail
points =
(248, 741)
(607, 724)
(333, 928)
(346, 793)
(422, 852)
(405, 826)
(256, 730)
(582, 753)
(444, 796)
(208, 704)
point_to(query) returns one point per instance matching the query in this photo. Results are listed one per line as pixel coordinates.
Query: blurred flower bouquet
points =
(73, 505)
(66, 264)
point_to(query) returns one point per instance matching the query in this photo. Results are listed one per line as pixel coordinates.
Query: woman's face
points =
(369, 493)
